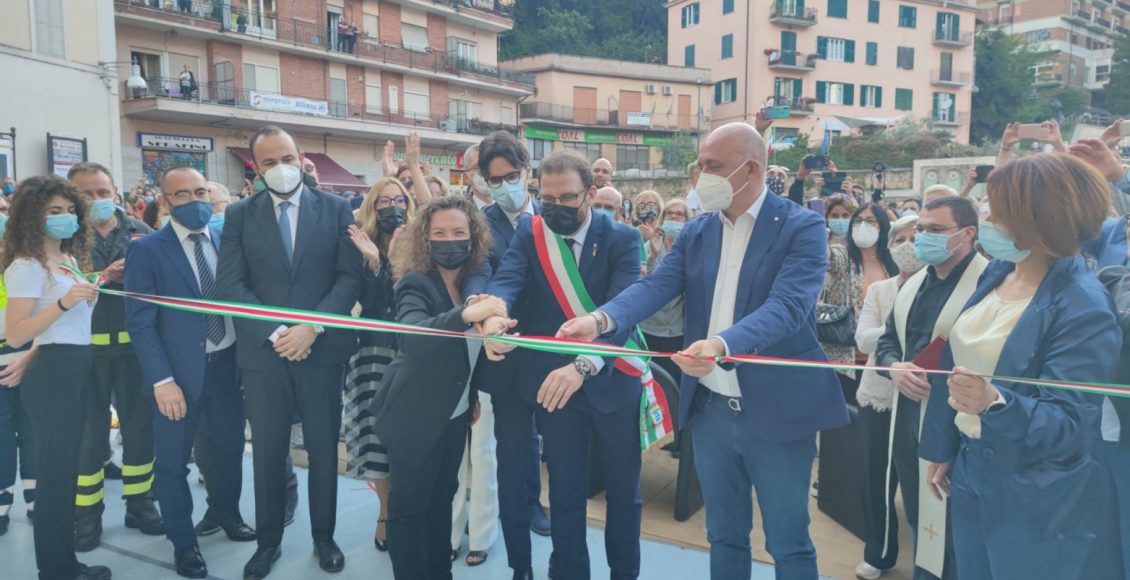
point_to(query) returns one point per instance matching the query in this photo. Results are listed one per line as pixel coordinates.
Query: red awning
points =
(330, 174)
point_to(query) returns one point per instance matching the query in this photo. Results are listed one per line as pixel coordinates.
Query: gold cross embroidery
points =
(930, 530)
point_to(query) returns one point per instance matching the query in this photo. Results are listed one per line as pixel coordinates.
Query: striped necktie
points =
(216, 331)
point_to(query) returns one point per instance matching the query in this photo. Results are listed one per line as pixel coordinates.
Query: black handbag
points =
(835, 324)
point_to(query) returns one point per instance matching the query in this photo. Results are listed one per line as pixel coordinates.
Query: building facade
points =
(1074, 38)
(61, 94)
(836, 64)
(344, 76)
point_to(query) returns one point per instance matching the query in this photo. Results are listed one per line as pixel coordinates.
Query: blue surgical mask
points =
(216, 221)
(101, 210)
(999, 245)
(61, 227)
(509, 196)
(839, 227)
(193, 215)
(9, 188)
(149, 199)
(672, 229)
(605, 212)
(3, 224)
(933, 248)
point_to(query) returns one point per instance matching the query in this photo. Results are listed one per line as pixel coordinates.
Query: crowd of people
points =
(1013, 479)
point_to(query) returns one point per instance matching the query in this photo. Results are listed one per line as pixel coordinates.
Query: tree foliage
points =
(633, 30)
(1116, 94)
(897, 146)
(1004, 84)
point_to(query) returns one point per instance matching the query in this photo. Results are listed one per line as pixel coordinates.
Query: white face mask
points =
(865, 235)
(906, 258)
(283, 179)
(715, 192)
(479, 184)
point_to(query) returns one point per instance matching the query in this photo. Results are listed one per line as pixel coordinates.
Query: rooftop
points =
(592, 65)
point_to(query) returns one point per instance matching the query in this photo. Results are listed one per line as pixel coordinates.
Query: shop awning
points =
(861, 122)
(330, 174)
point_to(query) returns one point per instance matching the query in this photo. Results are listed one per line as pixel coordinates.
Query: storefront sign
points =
(64, 153)
(590, 136)
(433, 159)
(173, 142)
(284, 104)
(642, 119)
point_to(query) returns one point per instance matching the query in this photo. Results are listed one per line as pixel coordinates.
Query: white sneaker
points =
(866, 571)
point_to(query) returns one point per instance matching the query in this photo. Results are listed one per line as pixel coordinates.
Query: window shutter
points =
(873, 10)
(821, 92)
(800, 6)
(727, 6)
(849, 51)
(953, 107)
(849, 94)
(683, 13)
(872, 53)
(718, 94)
(878, 97)
(798, 85)
(910, 58)
(688, 55)
(822, 46)
(733, 89)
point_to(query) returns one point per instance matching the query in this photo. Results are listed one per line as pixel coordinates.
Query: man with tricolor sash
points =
(750, 269)
(566, 261)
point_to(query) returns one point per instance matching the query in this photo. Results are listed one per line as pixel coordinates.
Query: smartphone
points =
(815, 162)
(1124, 128)
(775, 112)
(1034, 131)
(833, 182)
(983, 172)
(816, 205)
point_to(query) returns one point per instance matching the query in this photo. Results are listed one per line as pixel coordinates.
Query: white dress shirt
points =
(527, 208)
(479, 203)
(735, 240)
(291, 212)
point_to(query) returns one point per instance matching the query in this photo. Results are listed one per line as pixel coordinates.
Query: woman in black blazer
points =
(426, 404)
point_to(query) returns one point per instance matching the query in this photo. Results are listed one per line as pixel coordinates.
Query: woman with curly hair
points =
(423, 409)
(381, 217)
(48, 227)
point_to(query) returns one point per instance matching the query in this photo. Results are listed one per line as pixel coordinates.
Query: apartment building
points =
(1075, 38)
(626, 112)
(61, 95)
(840, 65)
(344, 76)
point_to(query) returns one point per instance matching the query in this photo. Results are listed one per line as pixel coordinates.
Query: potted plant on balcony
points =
(241, 22)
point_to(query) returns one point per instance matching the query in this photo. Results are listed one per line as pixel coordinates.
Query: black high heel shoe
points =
(382, 545)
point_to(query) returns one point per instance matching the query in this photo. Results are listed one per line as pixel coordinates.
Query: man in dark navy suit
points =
(288, 246)
(576, 397)
(188, 360)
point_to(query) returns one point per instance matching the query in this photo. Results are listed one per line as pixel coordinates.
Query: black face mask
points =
(450, 254)
(647, 215)
(390, 218)
(563, 220)
(309, 181)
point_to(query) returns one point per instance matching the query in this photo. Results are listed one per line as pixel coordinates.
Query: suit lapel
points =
(264, 212)
(309, 212)
(711, 255)
(503, 225)
(172, 247)
(765, 231)
(593, 240)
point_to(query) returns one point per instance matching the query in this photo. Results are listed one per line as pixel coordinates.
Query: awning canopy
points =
(330, 174)
(861, 122)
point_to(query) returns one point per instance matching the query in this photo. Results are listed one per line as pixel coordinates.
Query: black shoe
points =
(259, 565)
(291, 505)
(88, 527)
(524, 574)
(31, 517)
(330, 558)
(539, 521)
(111, 471)
(382, 545)
(4, 524)
(236, 529)
(190, 563)
(143, 515)
(93, 573)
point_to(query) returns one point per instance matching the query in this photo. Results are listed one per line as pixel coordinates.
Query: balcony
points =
(1103, 22)
(605, 118)
(213, 18)
(952, 38)
(798, 106)
(1047, 79)
(216, 104)
(947, 119)
(1123, 6)
(785, 15)
(792, 61)
(946, 78)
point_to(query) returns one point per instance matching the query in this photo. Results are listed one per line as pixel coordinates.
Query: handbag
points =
(835, 324)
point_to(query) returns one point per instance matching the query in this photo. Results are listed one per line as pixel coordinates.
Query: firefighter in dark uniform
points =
(116, 373)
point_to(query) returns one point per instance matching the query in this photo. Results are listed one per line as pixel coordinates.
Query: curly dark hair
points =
(25, 233)
(413, 251)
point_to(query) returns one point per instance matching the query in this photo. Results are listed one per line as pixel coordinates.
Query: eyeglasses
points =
(511, 178)
(674, 214)
(867, 220)
(647, 205)
(186, 195)
(935, 229)
(566, 199)
(400, 201)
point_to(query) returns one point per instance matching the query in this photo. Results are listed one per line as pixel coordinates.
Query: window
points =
(633, 157)
(506, 115)
(690, 15)
(464, 50)
(591, 151)
(263, 79)
(727, 6)
(688, 55)
(726, 91)
(945, 106)
(835, 93)
(372, 98)
(538, 149)
(905, 58)
(728, 46)
(1037, 36)
(948, 27)
(908, 17)
(872, 10)
(835, 49)
(370, 23)
(413, 37)
(464, 109)
(872, 53)
(904, 99)
(339, 97)
(49, 28)
(870, 96)
(837, 8)
(786, 90)
(416, 103)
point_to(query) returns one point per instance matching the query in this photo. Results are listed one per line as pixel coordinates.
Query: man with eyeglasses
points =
(609, 202)
(925, 308)
(116, 375)
(577, 399)
(188, 360)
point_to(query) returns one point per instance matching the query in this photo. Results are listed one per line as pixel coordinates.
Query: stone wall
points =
(900, 184)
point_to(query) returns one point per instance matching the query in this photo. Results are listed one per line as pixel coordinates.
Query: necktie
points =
(284, 229)
(572, 244)
(216, 330)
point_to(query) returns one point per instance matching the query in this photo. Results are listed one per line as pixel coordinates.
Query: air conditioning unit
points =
(650, 89)
(668, 91)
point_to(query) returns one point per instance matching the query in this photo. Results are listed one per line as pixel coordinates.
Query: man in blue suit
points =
(188, 360)
(750, 269)
(577, 397)
(288, 246)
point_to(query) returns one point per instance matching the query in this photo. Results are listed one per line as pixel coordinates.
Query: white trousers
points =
(478, 457)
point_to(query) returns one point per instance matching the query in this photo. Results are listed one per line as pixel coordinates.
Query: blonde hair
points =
(648, 193)
(934, 190)
(677, 202)
(218, 192)
(367, 213)
(443, 190)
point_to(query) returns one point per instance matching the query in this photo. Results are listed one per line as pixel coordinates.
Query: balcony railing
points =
(792, 60)
(236, 20)
(607, 118)
(1123, 5)
(791, 15)
(950, 78)
(798, 106)
(953, 38)
(1083, 14)
(947, 119)
(230, 95)
(1048, 79)
(1104, 22)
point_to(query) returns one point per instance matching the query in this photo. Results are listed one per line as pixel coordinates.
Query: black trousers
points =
(419, 506)
(273, 397)
(881, 547)
(53, 391)
(116, 373)
(519, 474)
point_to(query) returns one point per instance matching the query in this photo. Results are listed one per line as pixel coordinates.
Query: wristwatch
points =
(582, 365)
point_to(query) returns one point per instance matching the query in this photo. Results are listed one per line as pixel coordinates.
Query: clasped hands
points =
(294, 342)
(697, 360)
(490, 316)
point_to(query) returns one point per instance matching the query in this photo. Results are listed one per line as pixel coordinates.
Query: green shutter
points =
(849, 94)
(872, 53)
(873, 10)
(728, 46)
(683, 16)
(800, 6)
(878, 97)
(940, 25)
(904, 99)
(837, 8)
(849, 51)
(727, 6)
(688, 55)
(718, 94)
(821, 92)
(798, 86)
(822, 46)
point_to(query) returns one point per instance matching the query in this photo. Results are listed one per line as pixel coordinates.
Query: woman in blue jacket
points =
(1027, 500)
